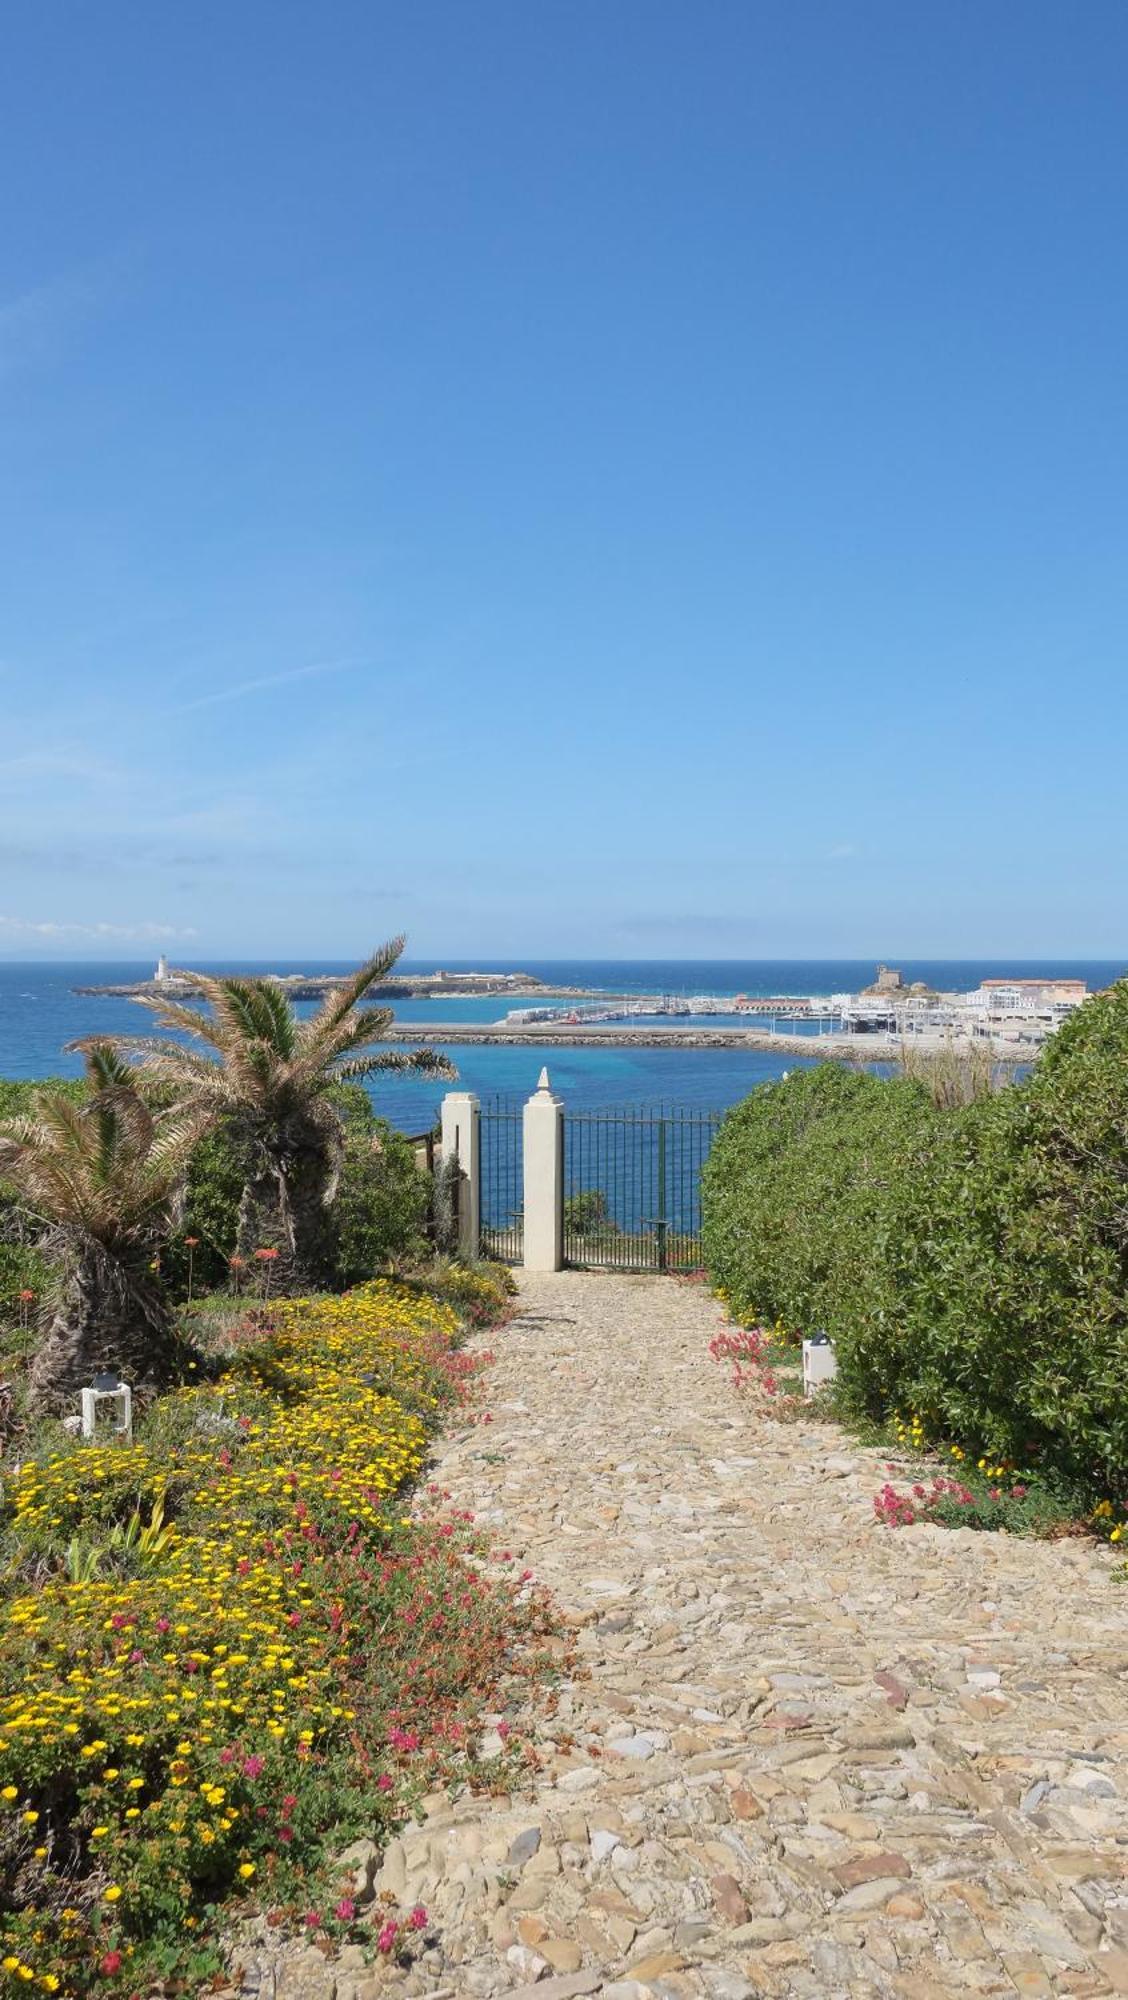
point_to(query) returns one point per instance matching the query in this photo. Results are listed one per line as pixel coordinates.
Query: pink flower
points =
(345, 1910)
(253, 1767)
(312, 1920)
(384, 1783)
(386, 1941)
(417, 1921)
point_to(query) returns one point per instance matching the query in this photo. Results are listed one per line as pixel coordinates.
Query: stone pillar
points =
(462, 1141)
(544, 1179)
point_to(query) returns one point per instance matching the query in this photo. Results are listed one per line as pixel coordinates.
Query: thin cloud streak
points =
(266, 682)
(139, 931)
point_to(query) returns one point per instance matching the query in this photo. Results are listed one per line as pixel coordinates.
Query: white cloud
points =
(266, 682)
(146, 931)
(844, 851)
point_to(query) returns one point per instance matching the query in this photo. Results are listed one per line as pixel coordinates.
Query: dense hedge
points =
(794, 1187)
(971, 1265)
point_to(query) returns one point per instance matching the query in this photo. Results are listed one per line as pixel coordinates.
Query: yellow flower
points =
(10, 1792)
(112, 1894)
(246, 1870)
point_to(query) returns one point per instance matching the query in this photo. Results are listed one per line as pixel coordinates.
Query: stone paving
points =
(799, 1753)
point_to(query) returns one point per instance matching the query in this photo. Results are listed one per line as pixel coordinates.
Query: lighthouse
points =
(160, 976)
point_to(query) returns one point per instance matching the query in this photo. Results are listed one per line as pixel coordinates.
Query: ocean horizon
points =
(40, 1013)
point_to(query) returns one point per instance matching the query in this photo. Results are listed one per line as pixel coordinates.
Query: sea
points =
(40, 1013)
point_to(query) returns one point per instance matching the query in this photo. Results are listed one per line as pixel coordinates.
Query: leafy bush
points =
(380, 1212)
(586, 1214)
(970, 1263)
(793, 1188)
(1007, 1265)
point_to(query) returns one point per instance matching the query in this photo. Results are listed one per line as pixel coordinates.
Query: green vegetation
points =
(190, 1717)
(969, 1259)
(101, 1175)
(268, 1076)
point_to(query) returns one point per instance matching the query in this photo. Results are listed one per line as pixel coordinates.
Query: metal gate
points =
(502, 1195)
(632, 1187)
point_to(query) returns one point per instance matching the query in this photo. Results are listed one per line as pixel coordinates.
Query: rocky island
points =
(398, 986)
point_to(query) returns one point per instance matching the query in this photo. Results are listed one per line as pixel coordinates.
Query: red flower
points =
(191, 1242)
(253, 1767)
(266, 1256)
(26, 1297)
(109, 1963)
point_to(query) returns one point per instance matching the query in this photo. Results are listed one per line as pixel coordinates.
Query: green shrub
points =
(793, 1187)
(970, 1263)
(1004, 1317)
(380, 1212)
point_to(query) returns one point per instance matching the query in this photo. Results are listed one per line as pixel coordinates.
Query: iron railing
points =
(502, 1170)
(632, 1187)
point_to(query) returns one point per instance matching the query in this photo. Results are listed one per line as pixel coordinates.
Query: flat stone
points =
(524, 1847)
(564, 1987)
(728, 1899)
(870, 1895)
(871, 1868)
(646, 1969)
(563, 1954)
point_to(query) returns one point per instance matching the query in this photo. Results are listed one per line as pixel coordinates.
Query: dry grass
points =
(955, 1073)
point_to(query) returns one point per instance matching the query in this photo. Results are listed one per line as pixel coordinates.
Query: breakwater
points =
(545, 1034)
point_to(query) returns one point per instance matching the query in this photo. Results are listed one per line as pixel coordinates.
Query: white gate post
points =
(543, 1128)
(462, 1141)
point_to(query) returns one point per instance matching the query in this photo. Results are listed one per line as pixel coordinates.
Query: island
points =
(166, 984)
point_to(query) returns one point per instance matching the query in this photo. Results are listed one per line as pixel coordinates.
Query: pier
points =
(878, 1046)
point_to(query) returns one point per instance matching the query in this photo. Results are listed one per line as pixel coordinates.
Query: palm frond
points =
(340, 1002)
(424, 1062)
(180, 1019)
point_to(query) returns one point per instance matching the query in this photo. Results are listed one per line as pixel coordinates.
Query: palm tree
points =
(102, 1177)
(251, 1062)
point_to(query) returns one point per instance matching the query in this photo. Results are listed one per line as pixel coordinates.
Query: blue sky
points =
(615, 477)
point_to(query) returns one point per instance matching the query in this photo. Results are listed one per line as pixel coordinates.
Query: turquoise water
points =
(39, 1013)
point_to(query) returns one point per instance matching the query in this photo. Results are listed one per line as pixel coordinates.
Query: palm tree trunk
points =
(103, 1313)
(285, 1207)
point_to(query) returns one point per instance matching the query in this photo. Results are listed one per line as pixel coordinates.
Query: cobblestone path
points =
(801, 1754)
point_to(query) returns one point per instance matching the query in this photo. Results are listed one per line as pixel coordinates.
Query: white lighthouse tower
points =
(160, 976)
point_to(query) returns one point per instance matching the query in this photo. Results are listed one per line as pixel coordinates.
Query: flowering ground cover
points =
(225, 1650)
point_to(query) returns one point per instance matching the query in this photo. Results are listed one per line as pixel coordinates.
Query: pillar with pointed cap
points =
(543, 1128)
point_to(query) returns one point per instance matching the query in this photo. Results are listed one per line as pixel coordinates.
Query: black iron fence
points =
(632, 1187)
(502, 1174)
